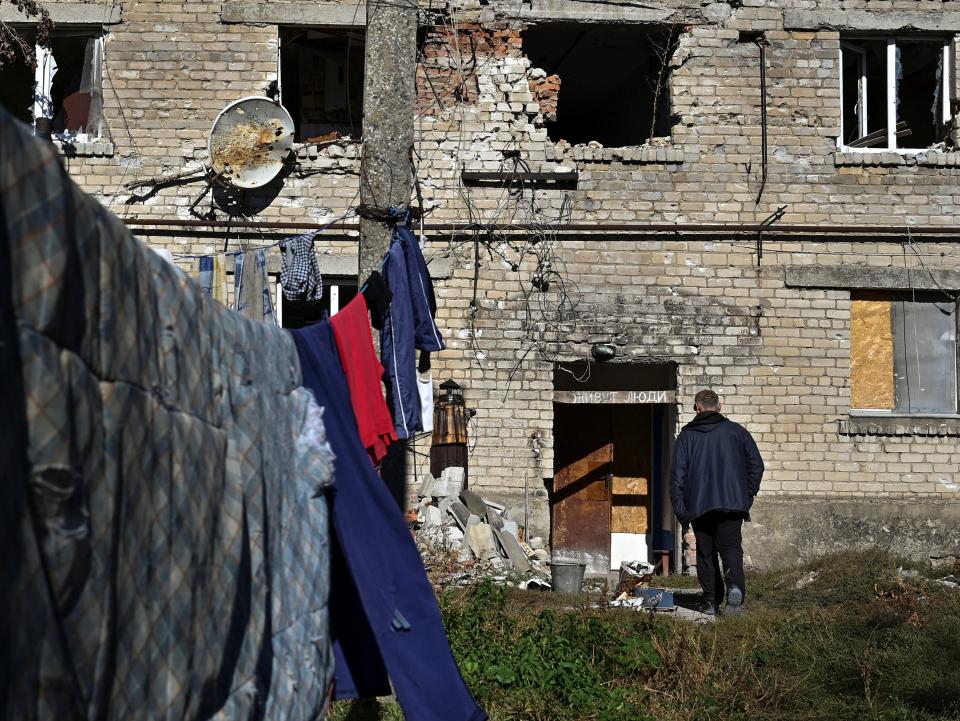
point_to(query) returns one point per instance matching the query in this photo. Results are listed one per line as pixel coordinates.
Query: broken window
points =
(60, 92)
(894, 92)
(903, 356)
(321, 80)
(626, 101)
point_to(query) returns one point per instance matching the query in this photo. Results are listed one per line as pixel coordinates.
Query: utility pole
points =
(386, 176)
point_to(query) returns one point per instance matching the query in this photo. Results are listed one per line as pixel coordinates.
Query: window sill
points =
(900, 425)
(893, 158)
(639, 155)
(93, 149)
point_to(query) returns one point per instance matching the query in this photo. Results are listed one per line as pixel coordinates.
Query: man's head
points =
(706, 400)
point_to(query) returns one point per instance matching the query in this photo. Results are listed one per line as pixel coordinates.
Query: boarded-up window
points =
(871, 354)
(903, 354)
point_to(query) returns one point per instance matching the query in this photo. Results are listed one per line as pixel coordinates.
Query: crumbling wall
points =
(779, 356)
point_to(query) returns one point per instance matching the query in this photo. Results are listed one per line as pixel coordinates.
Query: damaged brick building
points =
(588, 167)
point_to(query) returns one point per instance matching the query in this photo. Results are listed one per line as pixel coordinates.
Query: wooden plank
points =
(629, 518)
(604, 397)
(630, 486)
(871, 354)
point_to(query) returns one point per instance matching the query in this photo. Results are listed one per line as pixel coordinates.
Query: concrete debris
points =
(464, 537)
(943, 561)
(450, 483)
(480, 538)
(430, 517)
(426, 485)
(474, 503)
(460, 514)
(510, 545)
(536, 543)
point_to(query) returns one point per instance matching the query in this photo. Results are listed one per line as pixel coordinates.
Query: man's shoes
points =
(734, 601)
(709, 608)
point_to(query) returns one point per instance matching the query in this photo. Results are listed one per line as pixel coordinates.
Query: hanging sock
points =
(299, 272)
(252, 289)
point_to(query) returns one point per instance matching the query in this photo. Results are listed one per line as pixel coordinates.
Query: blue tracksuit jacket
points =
(407, 326)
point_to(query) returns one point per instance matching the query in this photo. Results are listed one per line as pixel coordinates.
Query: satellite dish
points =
(249, 140)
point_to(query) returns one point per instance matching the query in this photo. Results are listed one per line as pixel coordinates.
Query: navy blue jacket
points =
(384, 617)
(716, 467)
(407, 325)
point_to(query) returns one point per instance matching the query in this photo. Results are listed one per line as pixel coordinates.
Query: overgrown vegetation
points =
(845, 637)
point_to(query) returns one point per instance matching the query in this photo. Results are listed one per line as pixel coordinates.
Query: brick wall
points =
(778, 356)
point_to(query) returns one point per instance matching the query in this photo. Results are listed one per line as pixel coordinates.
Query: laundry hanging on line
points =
(166, 547)
(252, 295)
(299, 273)
(213, 276)
(408, 324)
(351, 328)
(384, 617)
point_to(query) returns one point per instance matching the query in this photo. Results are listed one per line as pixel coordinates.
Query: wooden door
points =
(632, 469)
(583, 467)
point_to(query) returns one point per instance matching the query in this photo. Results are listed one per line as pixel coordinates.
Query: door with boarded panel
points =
(632, 466)
(583, 467)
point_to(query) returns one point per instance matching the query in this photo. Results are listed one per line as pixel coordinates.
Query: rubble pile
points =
(473, 538)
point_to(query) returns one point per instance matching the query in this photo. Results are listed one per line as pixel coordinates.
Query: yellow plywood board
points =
(629, 486)
(629, 519)
(871, 354)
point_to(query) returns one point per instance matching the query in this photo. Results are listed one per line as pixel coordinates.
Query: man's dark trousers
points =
(718, 537)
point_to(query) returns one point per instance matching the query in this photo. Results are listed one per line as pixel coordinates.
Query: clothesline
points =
(314, 232)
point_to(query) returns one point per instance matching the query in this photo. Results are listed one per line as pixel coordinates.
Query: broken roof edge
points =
(66, 14)
(872, 20)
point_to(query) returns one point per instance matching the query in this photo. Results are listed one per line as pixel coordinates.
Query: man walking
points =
(716, 474)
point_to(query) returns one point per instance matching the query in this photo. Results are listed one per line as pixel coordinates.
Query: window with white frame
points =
(59, 90)
(895, 92)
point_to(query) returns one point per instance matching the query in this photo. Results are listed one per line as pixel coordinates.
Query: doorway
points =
(610, 495)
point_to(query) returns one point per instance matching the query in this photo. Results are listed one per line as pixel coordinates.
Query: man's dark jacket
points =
(716, 466)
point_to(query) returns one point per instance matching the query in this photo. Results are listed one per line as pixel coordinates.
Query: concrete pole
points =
(389, 98)
(386, 177)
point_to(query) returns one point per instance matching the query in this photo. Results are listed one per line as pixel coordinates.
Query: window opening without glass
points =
(894, 93)
(321, 80)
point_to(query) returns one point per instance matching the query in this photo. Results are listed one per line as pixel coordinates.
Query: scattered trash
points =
(808, 579)
(634, 574)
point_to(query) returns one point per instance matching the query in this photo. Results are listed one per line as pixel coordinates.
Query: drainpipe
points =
(761, 42)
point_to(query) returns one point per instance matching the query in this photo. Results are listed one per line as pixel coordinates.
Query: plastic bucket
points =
(567, 576)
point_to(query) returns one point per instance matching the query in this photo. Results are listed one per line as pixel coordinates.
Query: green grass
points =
(840, 638)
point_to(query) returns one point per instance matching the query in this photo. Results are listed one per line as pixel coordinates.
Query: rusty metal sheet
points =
(581, 486)
(871, 354)
(583, 467)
